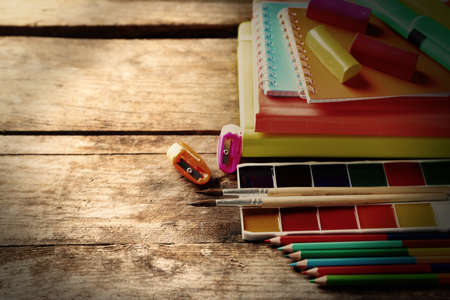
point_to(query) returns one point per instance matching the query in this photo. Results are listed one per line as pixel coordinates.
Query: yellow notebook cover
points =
(263, 145)
(431, 79)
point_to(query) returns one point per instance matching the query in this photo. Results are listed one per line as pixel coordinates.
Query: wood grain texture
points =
(92, 216)
(107, 199)
(122, 12)
(106, 19)
(186, 271)
(102, 144)
(71, 84)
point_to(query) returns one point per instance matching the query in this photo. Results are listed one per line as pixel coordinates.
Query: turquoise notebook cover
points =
(279, 77)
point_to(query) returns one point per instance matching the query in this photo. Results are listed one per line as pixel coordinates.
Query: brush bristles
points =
(204, 203)
(211, 192)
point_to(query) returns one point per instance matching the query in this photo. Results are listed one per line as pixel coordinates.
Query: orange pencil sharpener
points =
(188, 163)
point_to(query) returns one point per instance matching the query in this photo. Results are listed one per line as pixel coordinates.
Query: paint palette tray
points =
(258, 223)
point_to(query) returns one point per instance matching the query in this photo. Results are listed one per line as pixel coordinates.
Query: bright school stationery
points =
(276, 74)
(432, 79)
(383, 57)
(418, 117)
(294, 247)
(321, 200)
(229, 148)
(317, 238)
(339, 13)
(436, 9)
(400, 217)
(256, 144)
(310, 191)
(189, 163)
(422, 31)
(381, 269)
(331, 54)
(387, 252)
(384, 280)
(411, 117)
(367, 261)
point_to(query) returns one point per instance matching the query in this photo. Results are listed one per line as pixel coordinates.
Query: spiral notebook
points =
(258, 144)
(432, 80)
(276, 74)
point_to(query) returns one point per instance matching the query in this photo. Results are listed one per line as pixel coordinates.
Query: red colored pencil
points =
(377, 269)
(313, 238)
(289, 239)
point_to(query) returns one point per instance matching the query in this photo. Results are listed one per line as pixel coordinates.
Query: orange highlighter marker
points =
(189, 163)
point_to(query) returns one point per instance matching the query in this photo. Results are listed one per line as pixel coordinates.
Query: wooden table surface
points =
(92, 95)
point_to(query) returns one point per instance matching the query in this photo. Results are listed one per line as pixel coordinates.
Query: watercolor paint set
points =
(259, 223)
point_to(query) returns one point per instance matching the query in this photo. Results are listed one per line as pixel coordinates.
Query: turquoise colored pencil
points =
(366, 244)
(419, 279)
(359, 261)
(369, 252)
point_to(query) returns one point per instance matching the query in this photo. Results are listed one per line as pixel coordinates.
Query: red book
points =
(413, 117)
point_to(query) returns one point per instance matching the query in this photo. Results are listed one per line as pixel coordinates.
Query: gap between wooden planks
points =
(191, 271)
(101, 144)
(108, 12)
(60, 199)
(195, 271)
(123, 19)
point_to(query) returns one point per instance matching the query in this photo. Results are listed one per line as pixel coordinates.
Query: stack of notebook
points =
(287, 110)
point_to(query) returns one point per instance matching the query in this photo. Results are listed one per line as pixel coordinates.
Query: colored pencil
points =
(304, 191)
(378, 269)
(369, 252)
(360, 261)
(315, 238)
(322, 200)
(366, 244)
(416, 279)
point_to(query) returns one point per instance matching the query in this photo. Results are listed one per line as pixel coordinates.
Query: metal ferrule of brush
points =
(247, 191)
(253, 201)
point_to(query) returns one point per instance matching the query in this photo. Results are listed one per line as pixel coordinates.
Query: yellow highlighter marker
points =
(331, 54)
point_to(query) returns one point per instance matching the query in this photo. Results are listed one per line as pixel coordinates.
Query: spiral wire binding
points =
(260, 43)
(300, 61)
(267, 59)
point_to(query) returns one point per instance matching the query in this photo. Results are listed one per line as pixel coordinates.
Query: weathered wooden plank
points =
(123, 12)
(123, 19)
(54, 84)
(187, 271)
(60, 199)
(102, 144)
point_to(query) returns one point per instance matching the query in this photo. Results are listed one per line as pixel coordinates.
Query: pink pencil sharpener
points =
(229, 148)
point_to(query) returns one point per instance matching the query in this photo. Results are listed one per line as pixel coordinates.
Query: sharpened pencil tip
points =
(280, 248)
(293, 264)
(204, 203)
(312, 280)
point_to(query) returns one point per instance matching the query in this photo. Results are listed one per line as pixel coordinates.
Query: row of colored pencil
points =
(370, 259)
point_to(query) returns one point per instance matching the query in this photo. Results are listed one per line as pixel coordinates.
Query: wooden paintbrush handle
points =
(338, 200)
(298, 191)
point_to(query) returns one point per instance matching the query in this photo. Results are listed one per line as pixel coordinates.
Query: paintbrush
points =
(305, 191)
(322, 200)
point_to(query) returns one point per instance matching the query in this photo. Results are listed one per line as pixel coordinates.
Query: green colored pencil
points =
(419, 279)
(365, 244)
(369, 252)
